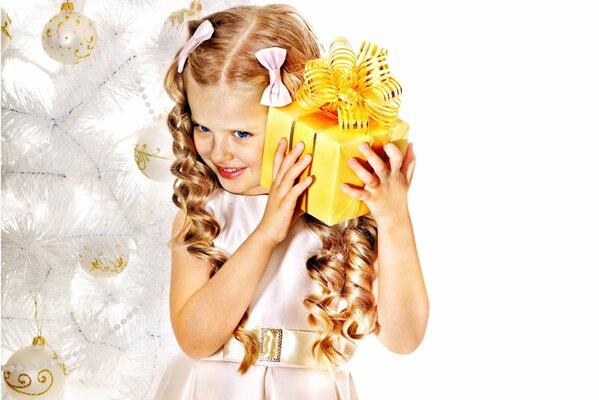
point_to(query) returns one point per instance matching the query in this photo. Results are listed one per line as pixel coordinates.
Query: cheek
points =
(202, 147)
(256, 156)
(250, 155)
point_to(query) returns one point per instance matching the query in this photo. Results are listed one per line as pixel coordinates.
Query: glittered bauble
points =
(34, 372)
(102, 262)
(69, 37)
(174, 29)
(6, 30)
(154, 152)
(178, 18)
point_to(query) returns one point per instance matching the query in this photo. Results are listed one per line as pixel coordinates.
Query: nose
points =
(220, 154)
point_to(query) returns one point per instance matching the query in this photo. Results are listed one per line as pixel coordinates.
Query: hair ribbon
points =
(202, 33)
(276, 93)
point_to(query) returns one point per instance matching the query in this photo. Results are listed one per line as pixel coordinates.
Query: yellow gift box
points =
(336, 110)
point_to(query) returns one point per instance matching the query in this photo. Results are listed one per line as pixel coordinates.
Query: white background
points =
(502, 99)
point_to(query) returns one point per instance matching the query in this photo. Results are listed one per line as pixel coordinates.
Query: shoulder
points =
(178, 230)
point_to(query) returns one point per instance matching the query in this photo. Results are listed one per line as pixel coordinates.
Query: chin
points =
(240, 188)
(252, 190)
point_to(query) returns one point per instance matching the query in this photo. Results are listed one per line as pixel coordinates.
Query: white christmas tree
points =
(82, 226)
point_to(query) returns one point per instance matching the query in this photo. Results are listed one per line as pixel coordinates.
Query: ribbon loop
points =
(357, 88)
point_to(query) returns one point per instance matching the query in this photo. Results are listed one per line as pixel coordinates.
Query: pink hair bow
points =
(276, 93)
(202, 33)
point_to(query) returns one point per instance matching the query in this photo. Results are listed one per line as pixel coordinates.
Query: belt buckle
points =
(270, 344)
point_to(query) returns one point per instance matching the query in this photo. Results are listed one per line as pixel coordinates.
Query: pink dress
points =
(277, 303)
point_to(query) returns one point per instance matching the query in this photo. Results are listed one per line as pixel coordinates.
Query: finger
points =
(278, 158)
(378, 165)
(411, 172)
(288, 161)
(406, 162)
(298, 189)
(395, 157)
(365, 176)
(411, 168)
(354, 192)
(292, 173)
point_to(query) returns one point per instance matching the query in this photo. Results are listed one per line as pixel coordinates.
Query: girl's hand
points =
(281, 211)
(386, 188)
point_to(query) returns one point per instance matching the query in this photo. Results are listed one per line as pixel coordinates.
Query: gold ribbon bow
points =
(356, 88)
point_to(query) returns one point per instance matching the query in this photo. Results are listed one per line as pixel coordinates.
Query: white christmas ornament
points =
(103, 262)
(69, 37)
(34, 372)
(154, 152)
(174, 29)
(6, 30)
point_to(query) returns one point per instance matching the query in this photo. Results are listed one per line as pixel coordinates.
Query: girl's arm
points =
(205, 312)
(401, 295)
(402, 299)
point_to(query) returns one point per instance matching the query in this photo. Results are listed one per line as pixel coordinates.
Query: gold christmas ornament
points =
(36, 371)
(6, 30)
(153, 152)
(103, 262)
(69, 37)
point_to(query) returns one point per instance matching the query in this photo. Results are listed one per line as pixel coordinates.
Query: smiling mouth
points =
(230, 169)
(230, 173)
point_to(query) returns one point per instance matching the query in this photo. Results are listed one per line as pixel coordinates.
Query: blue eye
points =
(244, 134)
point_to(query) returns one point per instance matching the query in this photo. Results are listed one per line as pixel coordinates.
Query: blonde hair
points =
(343, 268)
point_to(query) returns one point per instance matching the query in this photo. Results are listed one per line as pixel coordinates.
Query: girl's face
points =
(229, 128)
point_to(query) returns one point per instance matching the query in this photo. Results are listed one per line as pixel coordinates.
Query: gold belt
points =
(279, 347)
(282, 347)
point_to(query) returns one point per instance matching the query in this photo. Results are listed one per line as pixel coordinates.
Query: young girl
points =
(266, 302)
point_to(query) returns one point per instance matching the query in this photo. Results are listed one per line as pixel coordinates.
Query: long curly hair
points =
(343, 268)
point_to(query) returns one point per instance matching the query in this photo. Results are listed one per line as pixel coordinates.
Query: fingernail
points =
(363, 146)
